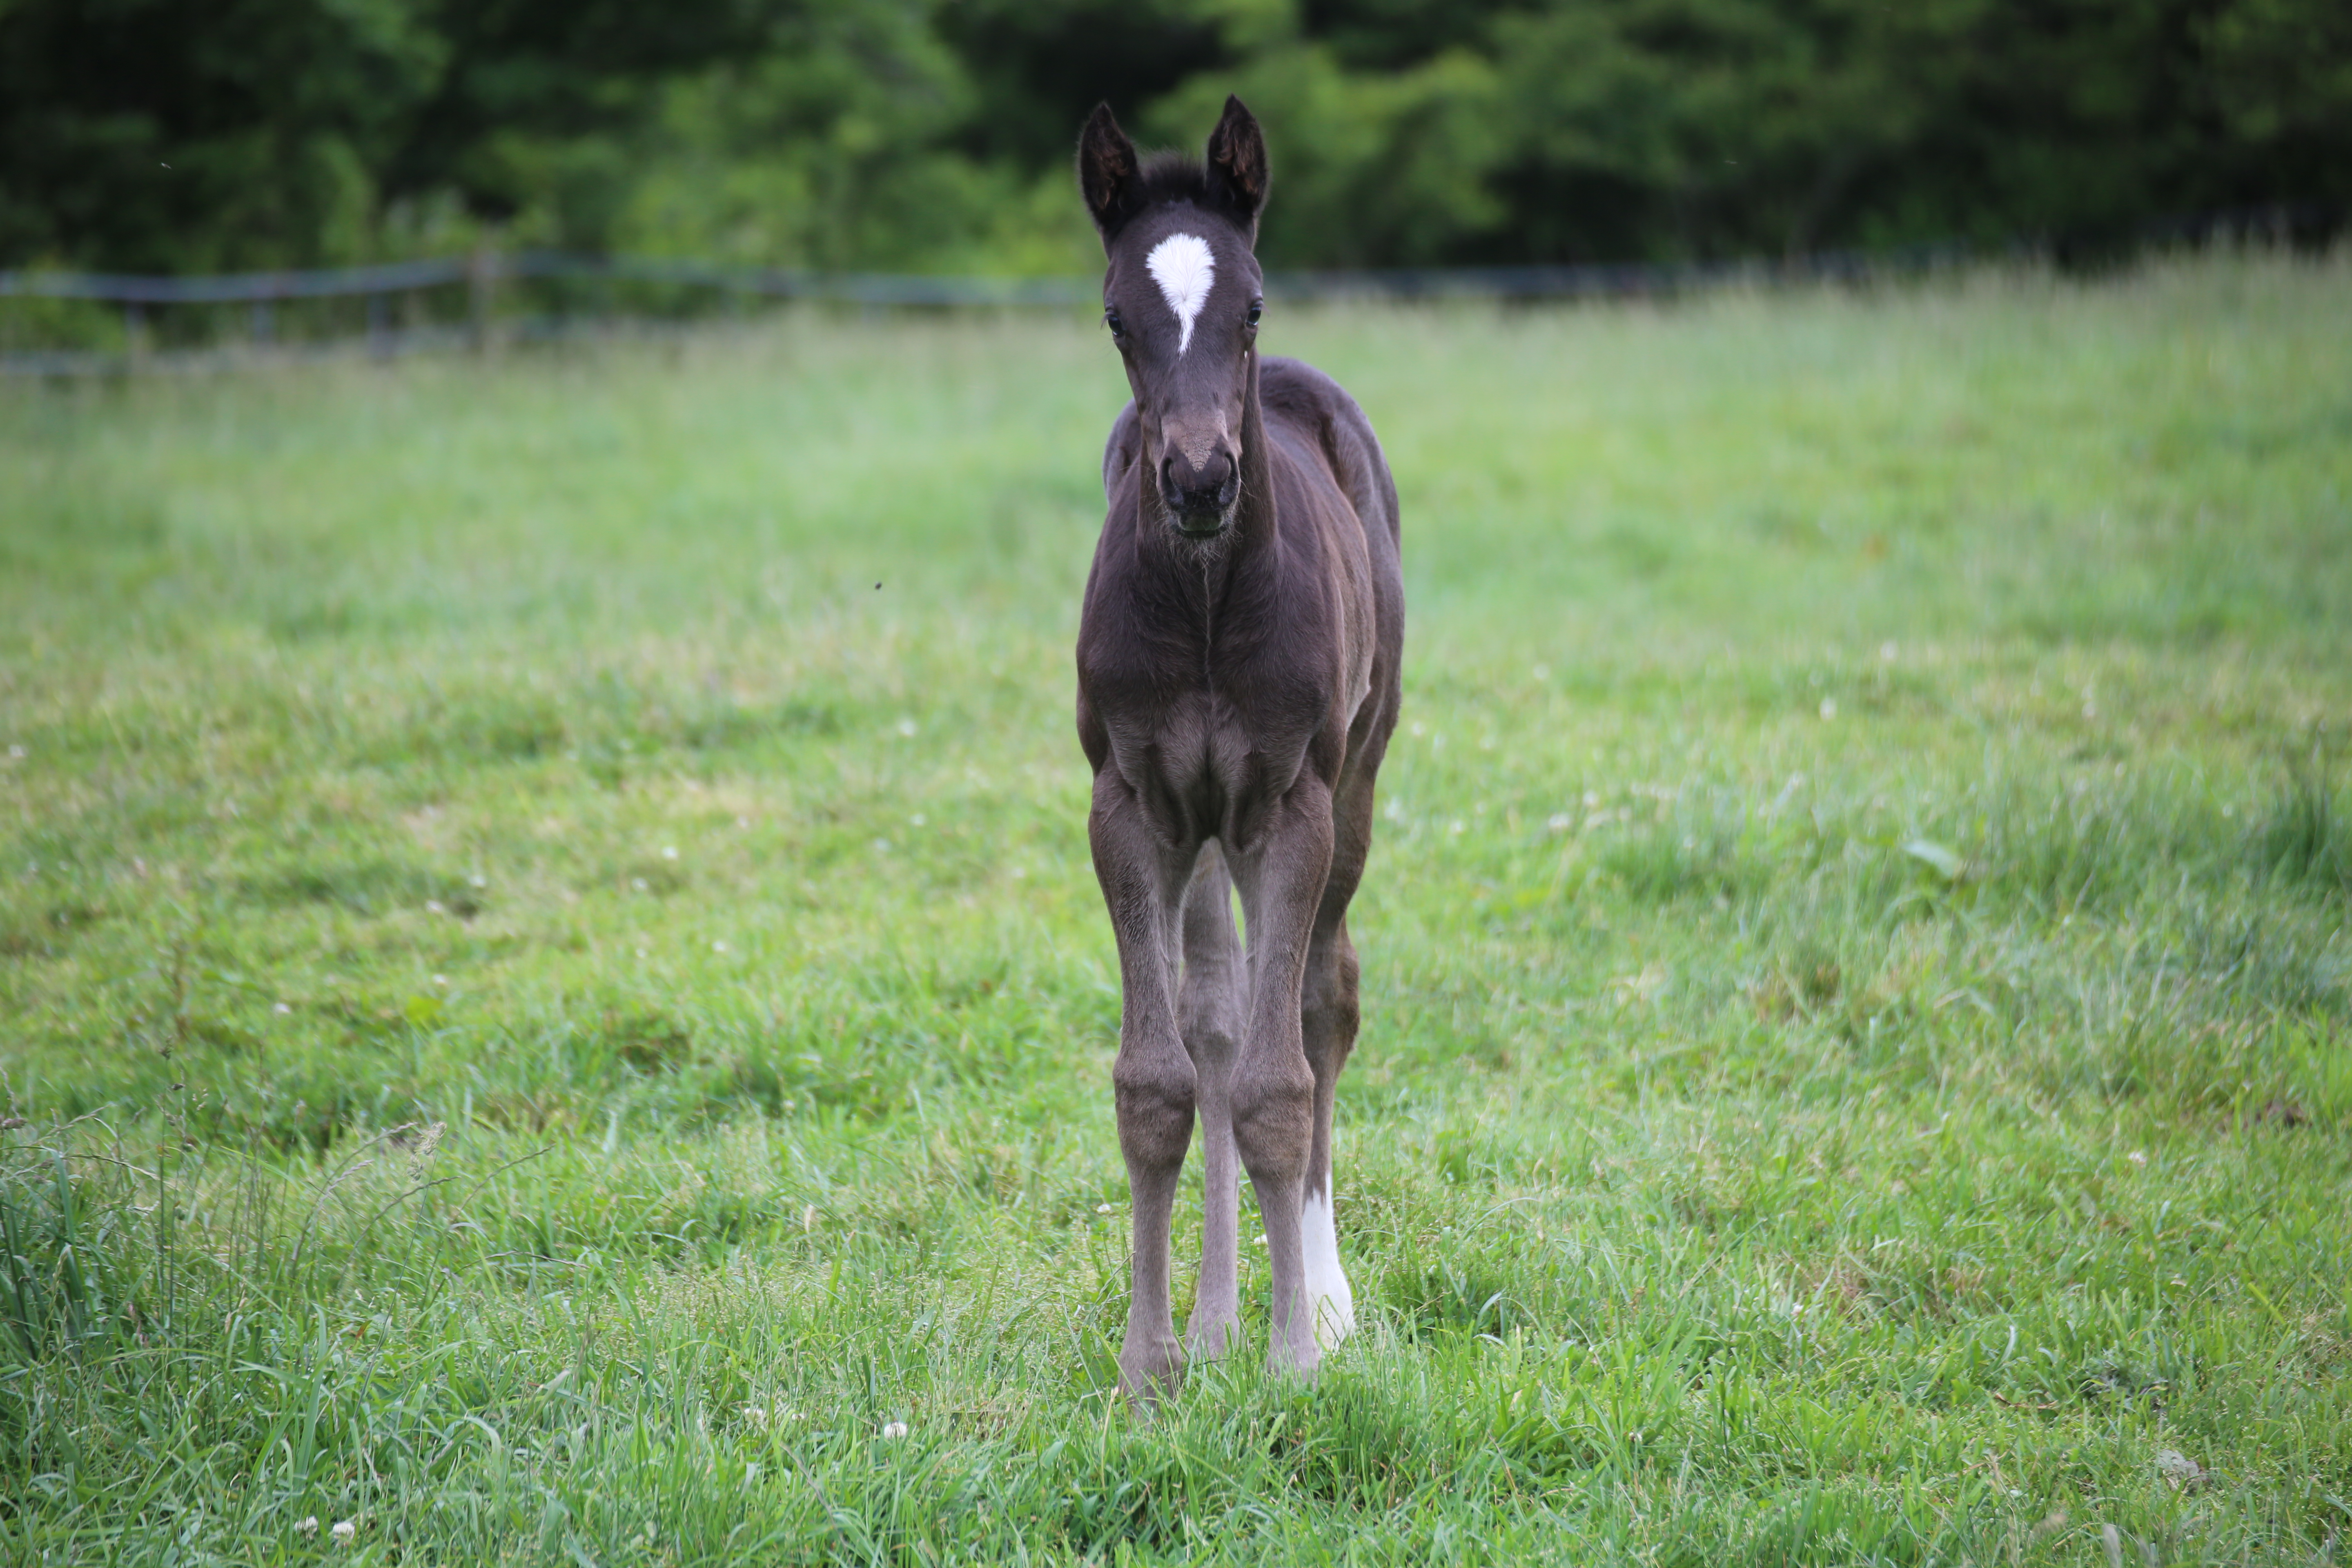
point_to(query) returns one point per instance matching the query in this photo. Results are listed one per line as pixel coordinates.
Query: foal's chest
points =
(1207, 752)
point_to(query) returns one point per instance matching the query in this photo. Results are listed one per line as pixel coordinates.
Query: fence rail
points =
(402, 277)
(482, 273)
(235, 288)
(916, 289)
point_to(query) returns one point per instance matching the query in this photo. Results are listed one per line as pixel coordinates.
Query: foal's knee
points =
(1329, 1015)
(1155, 1109)
(1274, 1116)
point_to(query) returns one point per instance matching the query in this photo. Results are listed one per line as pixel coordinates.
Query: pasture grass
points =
(553, 989)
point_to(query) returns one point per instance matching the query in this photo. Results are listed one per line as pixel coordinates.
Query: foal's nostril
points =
(1207, 486)
(1171, 488)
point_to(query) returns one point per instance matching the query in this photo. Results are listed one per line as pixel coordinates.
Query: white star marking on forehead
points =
(1183, 268)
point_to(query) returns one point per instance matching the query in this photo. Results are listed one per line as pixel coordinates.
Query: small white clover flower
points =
(345, 1530)
(895, 1430)
(308, 1526)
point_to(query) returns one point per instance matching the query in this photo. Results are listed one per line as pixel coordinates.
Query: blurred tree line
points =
(183, 135)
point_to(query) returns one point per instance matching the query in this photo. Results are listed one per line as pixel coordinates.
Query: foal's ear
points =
(1107, 171)
(1237, 171)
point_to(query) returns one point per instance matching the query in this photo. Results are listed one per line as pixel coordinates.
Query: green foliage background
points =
(185, 135)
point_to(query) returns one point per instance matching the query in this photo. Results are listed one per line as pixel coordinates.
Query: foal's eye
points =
(1118, 328)
(1257, 308)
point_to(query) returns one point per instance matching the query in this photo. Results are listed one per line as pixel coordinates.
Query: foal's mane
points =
(1167, 178)
(1171, 179)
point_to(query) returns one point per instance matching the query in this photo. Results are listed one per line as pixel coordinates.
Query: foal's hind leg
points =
(1328, 1016)
(1327, 1019)
(1209, 1009)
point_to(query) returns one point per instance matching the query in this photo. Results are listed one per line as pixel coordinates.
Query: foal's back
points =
(1312, 418)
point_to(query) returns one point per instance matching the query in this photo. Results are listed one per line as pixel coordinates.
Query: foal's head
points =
(1182, 298)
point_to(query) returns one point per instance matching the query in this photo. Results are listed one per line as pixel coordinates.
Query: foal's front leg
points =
(1209, 1004)
(1282, 878)
(1152, 1079)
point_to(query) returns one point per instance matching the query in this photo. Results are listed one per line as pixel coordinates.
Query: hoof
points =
(1302, 1365)
(1335, 1318)
(1149, 1374)
(1307, 1372)
(1212, 1341)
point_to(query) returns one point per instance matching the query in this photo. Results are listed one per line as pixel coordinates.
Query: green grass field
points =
(552, 992)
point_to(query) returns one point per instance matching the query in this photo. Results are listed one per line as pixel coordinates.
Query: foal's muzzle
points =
(1200, 497)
